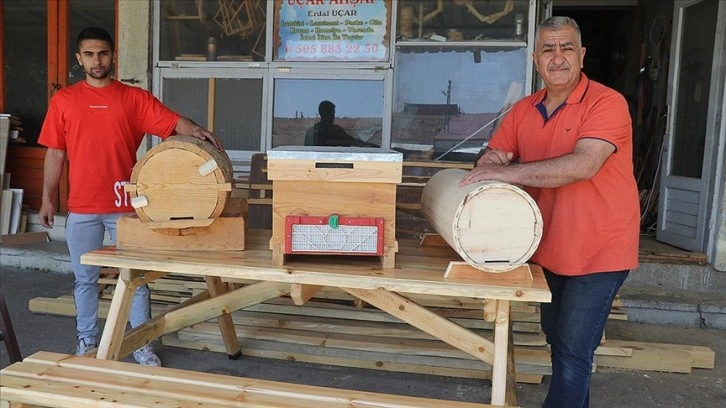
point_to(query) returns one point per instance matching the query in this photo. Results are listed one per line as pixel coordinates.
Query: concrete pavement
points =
(702, 388)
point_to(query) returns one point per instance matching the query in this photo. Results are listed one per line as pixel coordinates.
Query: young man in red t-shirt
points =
(98, 125)
(573, 145)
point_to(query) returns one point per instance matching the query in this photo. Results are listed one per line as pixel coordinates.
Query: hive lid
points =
(335, 153)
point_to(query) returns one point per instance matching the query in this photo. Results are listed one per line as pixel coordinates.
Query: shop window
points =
(26, 64)
(223, 30)
(33, 70)
(447, 101)
(358, 108)
(462, 20)
(230, 107)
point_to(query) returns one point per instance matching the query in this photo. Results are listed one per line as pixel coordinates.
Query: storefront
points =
(427, 77)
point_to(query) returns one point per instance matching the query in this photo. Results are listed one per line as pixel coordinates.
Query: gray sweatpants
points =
(84, 233)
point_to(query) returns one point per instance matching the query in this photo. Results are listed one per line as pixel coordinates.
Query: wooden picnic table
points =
(418, 270)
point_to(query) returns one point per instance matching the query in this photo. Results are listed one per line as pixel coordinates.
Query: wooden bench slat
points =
(49, 393)
(61, 380)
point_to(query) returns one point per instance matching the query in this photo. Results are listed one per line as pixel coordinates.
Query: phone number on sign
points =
(330, 49)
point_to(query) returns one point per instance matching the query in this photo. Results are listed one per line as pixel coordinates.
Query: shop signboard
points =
(332, 30)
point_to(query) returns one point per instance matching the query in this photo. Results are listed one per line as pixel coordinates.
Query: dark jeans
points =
(574, 323)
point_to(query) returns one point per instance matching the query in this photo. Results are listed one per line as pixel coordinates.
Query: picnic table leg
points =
(216, 287)
(8, 332)
(118, 315)
(504, 388)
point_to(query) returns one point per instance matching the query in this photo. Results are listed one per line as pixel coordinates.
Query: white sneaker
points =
(145, 356)
(85, 345)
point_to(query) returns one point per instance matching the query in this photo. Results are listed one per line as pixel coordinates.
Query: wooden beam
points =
(201, 311)
(427, 321)
(118, 316)
(216, 287)
(302, 293)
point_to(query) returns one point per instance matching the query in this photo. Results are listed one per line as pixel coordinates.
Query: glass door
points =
(690, 149)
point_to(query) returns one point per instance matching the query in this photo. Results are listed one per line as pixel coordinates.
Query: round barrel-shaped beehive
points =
(182, 178)
(493, 226)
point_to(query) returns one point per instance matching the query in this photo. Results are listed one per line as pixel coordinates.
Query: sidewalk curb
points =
(47, 256)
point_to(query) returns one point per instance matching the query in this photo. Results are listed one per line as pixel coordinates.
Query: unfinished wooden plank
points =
(99, 380)
(462, 270)
(349, 272)
(648, 359)
(433, 240)
(503, 390)
(226, 326)
(342, 341)
(357, 359)
(358, 171)
(203, 310)
(302, 293)
(115, 326)
(6, 203)
(530, 333)
(24, 238)
(222, 234)
(427, 321)
(703, 357)
(530, 361)
(361, 329)
(611, 350)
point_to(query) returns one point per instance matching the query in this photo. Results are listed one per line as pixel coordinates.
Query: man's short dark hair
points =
(95, 33)
(326, 109)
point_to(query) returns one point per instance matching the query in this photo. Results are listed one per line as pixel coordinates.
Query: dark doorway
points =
(611, 44)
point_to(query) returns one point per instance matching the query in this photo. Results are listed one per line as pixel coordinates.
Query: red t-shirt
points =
(591, 225)
(101, 129)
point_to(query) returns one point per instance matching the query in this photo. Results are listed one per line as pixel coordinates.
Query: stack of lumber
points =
(335, 329)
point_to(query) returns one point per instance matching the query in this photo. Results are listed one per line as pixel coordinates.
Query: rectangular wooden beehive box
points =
(320, 181)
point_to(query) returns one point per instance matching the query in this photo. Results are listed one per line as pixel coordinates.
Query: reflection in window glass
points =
(457, 97)
(462, 20)
(194, 30)
(26, 63)
(236, 111)
(84, 14)
(358, 108)
(188, 97)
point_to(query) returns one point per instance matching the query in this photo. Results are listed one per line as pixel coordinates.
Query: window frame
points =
(270, 70)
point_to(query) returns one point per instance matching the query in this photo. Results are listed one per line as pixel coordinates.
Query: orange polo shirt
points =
(592, 225)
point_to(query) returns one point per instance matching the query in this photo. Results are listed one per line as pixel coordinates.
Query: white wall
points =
(133, 46)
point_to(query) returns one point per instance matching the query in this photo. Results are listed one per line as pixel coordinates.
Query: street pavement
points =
(611, 388)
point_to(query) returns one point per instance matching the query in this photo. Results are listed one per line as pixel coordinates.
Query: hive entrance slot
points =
(333, 165)
(181, 218)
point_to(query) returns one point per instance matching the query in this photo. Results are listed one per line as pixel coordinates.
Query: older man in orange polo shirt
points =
(570, 146)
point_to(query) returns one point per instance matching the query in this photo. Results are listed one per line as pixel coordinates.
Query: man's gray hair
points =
(555, 23)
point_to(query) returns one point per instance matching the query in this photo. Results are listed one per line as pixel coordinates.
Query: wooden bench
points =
(60, 380)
